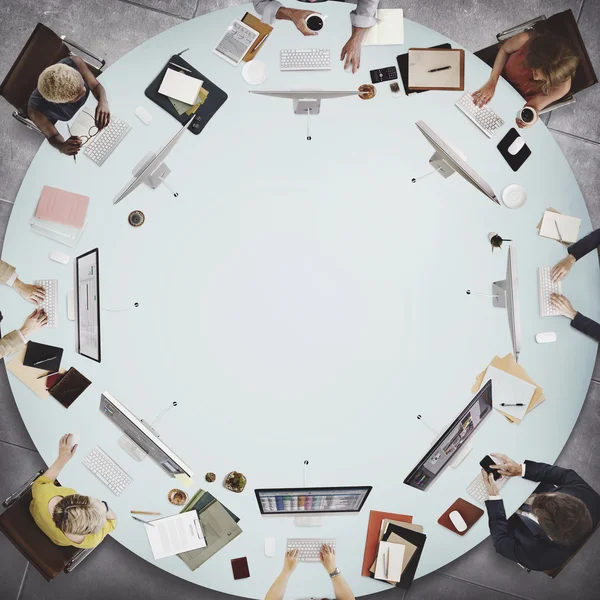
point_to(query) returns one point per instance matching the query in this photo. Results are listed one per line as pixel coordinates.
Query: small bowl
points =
(514, 196)
(177, 497)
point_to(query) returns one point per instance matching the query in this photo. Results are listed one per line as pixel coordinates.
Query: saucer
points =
(255, 72)
(514, 196)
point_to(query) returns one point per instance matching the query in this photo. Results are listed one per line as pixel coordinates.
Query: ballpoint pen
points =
(70, 135)
(260, 44)
(387, 562)
(48, 375)
(39, 362)
(517, 404)
(144, 522)
(179, 67)
(439, 69)
(559, 236)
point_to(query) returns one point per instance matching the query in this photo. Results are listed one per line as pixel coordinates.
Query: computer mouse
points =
(516, 146)
(545, 338)
(458, 521)
(59, 257)
(269, 546)
(75, 437)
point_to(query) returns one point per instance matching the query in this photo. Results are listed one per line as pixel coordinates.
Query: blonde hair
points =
(553, 58)
(75, 514)
(60, 84)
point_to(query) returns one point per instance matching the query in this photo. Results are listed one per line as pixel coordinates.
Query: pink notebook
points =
(62, 207)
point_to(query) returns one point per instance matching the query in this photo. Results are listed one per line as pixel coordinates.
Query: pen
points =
(179, 67)
(387, 562)
(439, 69)
(39, 362)
(144, 522)
(48, 375)
(517, 404)
(560, 236)
(143, 512)
(74, 156)
(260, 44)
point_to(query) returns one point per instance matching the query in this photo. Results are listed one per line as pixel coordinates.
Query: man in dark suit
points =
(547, 530)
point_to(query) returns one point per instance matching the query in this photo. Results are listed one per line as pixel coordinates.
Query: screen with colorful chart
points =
(314, 500)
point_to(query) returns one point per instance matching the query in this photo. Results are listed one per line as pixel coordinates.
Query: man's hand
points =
(31, 293)
(485, 93)
(71, 146)
(102, 114)
(65, 454)
(563, 306)
(36, 320)
(507, 467)
(562, 269)
(351, 51)
(290, 562)
(328, 558)
(490, 484)
(298, 18)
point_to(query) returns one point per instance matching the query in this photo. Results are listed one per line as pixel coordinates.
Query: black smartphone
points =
(486, 462)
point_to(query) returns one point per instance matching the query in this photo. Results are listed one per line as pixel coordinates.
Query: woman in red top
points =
(541, 66)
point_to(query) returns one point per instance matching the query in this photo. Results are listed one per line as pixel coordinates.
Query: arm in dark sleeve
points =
(551, 474)
(585, 245)
(504, 543)
(587, 326)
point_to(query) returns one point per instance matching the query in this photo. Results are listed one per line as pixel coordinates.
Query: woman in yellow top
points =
(65, 516)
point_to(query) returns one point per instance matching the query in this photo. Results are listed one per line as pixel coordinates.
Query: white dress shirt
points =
(522, 475)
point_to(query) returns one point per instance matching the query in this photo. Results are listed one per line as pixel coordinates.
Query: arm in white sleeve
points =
(267, 9)
(364, 14)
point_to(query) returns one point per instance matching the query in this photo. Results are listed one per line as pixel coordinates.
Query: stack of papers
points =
(508, 389)
(556, 226)
(172, 535)
(389, 29)
(60, 215)
(179, 86)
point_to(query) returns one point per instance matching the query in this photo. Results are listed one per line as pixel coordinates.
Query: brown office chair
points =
(562, 24)
(18, 526)
(43, 48)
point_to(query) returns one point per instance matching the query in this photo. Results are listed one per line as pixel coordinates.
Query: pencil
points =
(144, 522)
(143, 512)
(74, 156)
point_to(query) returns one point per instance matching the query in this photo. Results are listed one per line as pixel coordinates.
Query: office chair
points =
(18, 526)
(562, 24)
(43, 48)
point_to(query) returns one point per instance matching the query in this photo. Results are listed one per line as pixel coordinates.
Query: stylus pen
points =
(260, 44)
(387, 562)
(517, 404)
(144, 522)
(39, 362)
(559, 236)
(180, 67)
(439, 69)
(74, 156)
(43, 376)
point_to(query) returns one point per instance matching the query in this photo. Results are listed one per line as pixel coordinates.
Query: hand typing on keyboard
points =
(562, 304)
(31, 293)
(562, 269)
(36, 320)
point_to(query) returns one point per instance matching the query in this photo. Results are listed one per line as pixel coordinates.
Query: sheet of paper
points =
(59, 206)
(392, 556)
(184, 480)
(511, 390)
(389, 29)
(420, 62)
(83, 123)
(568, 226)
(180, 86)
(176, 534)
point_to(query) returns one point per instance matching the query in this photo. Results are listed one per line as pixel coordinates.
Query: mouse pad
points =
(205, 112)
(514, 161)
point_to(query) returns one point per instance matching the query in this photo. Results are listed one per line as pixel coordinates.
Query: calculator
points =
(379, 75)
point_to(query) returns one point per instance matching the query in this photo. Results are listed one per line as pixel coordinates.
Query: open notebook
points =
(389, 29)
(436, 69)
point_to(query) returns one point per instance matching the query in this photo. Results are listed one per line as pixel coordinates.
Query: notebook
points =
(402, 60)
(60, 206)
(427, 69)
(389, 29)
(29, 376)
(512, 390)
(178, 85)
(414, 537)
(69, 387)
(568, 227)
(40, 356)
(389, 562)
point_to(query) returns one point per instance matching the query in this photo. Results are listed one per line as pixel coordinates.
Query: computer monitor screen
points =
(450, 442)
(139, 433)
(291, 501)
(87, 288)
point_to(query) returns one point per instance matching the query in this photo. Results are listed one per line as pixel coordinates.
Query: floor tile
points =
(12, 428)
(179, 8)
(582, 117)
(17, 465)
(441, 587)
(207, 6)
(12, 568)
(5, 210)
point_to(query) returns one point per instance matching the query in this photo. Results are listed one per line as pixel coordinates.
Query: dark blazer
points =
(578, 250)
(531, 547)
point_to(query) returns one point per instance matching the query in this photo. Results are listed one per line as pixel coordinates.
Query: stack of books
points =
(60, 215)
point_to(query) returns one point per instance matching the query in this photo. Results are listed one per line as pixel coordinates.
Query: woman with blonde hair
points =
(539, 64)
(66, 517)
(62, 90)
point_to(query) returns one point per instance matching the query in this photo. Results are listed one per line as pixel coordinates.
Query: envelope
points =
(509, 365)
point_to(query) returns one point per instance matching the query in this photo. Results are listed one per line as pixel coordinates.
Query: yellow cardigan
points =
(43, 490)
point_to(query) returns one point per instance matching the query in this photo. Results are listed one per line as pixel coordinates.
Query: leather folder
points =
(469, 512)
(263, 31)
(70, 387)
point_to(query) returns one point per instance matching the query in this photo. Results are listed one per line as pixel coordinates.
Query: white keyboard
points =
(310, 548)
(485, 118)
(478, 490)
(101, 145)
(546, 288)
(50, 304)
(309, 59)
(107, 471)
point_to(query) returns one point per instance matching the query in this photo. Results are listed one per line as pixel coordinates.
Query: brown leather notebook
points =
(240, 568)
(70, 387)
(373, 533)
(263, 31)
(469, 512)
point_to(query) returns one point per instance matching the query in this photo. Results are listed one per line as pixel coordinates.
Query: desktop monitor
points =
(448, 444)
(506, 295)
(318, 500)
(446, 160)
(142, 436)
(87, 289)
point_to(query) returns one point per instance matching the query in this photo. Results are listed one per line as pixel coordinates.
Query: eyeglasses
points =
(92, 131)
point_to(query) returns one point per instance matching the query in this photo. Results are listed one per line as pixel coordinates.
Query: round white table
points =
(304, 300)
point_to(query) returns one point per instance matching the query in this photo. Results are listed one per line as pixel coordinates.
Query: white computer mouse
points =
(545, 338)
(59, 257)
(75, 437)
(458, 521)
(516, 146)
(270, 546)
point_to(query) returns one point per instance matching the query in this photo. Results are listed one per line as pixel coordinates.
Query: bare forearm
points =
(277, 590)
(359, 33)
(284, 14)
(499, 65)
(99, 93)
(54, 470)
(341, 588)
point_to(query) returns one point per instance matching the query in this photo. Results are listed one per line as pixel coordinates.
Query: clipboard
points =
(402, 60)
(263, 31)
(509, 365)
(461, 64)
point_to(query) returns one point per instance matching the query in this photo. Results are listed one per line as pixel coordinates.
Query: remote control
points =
(379, 75)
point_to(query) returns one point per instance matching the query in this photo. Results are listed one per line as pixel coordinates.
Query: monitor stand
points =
(157, 176)
(307, 107)
(438, 162)
(135, 451)
(499, 291)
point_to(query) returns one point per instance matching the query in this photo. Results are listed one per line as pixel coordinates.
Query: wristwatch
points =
(104, 502)
(335, 573)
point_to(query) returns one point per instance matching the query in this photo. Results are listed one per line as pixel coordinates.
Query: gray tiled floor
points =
(111, 28)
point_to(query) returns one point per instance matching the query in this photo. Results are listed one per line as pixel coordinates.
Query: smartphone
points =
(486, 462)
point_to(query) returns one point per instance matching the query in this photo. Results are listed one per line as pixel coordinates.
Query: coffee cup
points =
(528, 115)
(315, 21)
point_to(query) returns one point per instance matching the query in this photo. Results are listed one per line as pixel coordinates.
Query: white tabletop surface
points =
(304, 300)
